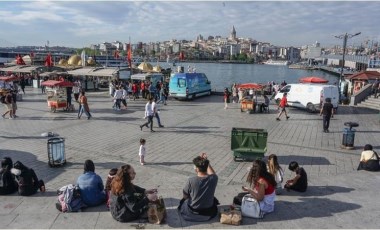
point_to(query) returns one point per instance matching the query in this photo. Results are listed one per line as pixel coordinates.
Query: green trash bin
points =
(248, 144)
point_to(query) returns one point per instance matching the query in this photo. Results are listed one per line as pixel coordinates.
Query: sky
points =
(283, 23)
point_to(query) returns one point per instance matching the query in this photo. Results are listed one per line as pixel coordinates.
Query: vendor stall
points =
(57, 94)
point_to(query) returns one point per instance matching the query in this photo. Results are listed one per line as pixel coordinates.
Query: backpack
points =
(70, 199)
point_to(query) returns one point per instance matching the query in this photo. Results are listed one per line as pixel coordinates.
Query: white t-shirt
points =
(368, 155)
(149, 109)
(125, 94)
(142, 150)
(118, 94)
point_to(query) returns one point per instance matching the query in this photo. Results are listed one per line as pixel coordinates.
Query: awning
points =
(99, 72)
(250, 86)
(9, 78)
(365, 75)
(19, 69)
(52, 83)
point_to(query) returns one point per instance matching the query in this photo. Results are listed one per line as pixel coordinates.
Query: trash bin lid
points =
(351, 124)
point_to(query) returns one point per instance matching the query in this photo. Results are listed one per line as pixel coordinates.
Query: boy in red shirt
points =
(281, 106)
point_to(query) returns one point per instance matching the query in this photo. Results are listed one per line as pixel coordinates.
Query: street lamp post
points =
(344, 37)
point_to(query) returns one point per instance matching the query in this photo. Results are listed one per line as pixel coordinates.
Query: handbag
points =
(232, 217)
(250, 207)
(157, 211)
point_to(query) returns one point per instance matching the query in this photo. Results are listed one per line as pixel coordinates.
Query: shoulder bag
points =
(250, 207)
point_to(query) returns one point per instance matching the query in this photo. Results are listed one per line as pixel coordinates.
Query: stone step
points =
(369, 106)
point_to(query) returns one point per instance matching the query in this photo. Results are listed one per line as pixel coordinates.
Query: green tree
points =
(242, 57)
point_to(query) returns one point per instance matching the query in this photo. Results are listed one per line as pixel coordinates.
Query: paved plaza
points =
(338, 196)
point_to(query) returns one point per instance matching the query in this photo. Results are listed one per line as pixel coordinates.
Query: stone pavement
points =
(338, 196)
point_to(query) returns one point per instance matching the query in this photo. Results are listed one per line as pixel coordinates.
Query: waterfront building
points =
(311, 51)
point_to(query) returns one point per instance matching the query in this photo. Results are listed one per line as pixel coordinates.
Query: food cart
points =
(57, 94)
(248, 104)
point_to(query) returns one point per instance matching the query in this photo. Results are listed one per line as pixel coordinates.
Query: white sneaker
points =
(11, 118)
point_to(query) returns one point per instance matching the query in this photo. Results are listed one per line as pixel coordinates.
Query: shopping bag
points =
(250, 207)
(157, 211)
(232, 217)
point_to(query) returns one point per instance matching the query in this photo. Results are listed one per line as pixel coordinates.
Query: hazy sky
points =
(81, 23)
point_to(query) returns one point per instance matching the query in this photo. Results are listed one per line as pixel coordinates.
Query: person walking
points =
(282, 106)
(117, 97)
(76, 90)
(149, 113)
(83, 106)
(226, 97)
(22, 84)
(375, 87)
(8, 101)
(162, 95)
(142, 151)
(234, 91)
(14, 103)
(327, 111)
(156, 113)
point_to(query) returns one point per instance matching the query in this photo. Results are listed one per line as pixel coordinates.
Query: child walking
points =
(142, 151)
(278, 173)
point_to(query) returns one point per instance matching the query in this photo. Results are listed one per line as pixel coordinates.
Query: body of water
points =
(224, 75)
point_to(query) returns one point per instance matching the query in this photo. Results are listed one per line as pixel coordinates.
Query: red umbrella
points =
(313, 79)
(250, 86)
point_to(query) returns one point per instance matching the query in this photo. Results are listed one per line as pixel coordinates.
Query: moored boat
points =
(276, 62)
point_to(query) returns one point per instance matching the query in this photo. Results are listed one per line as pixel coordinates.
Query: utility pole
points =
(344, 37)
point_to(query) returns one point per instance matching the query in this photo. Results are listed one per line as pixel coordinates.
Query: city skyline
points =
(283, 23)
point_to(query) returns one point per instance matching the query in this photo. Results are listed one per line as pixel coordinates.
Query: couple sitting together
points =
(130, 202)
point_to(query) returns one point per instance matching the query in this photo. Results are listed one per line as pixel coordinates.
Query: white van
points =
(309, 96)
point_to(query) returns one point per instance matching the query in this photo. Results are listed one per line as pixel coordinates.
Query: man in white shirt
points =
(156, 112)
(149, 113)
(117, 96)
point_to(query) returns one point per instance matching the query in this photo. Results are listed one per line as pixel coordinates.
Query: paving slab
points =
(338, 195)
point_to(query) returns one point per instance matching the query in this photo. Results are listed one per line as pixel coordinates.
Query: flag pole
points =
(129, 57)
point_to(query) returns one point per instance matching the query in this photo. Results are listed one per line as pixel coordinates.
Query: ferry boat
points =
(276, 62)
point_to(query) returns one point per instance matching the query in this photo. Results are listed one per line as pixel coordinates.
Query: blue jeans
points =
(158, 119)
(326, 122)
(162, 98)
(150, 121)
(80, 111)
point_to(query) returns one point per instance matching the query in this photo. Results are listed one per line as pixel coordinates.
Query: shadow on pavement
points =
(303, 160)
(98, 165)
(167, 163)
(30, 161)
(318, 191)
(195, 127)
(23, 137)
(308, 207)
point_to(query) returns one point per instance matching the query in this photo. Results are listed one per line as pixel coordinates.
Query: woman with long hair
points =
(261, 187)
(275, 169)
(128, 201)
